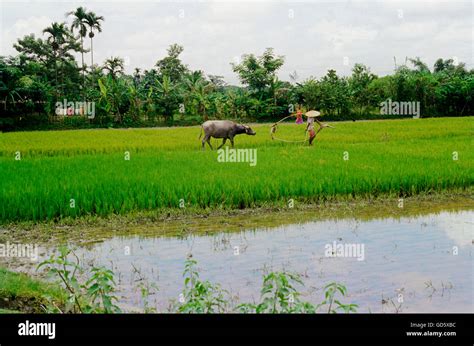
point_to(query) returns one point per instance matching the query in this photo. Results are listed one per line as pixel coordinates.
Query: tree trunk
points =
(92, 55)
(83, 71)
(56, 74)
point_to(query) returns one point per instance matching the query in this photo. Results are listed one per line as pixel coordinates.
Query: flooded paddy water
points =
(414, 262)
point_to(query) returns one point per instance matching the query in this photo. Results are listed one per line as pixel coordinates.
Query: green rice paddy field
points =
(393, 157)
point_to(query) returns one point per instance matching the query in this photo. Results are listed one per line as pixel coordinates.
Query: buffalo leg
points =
(223, 142)
(209, 142)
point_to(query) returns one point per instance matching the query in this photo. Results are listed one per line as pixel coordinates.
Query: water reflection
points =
(411, 264)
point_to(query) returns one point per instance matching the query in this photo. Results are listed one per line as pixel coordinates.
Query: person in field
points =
(310, 130)
(299, 116)
(313, 117)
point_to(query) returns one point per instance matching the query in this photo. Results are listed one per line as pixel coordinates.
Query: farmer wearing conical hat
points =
(312, 117)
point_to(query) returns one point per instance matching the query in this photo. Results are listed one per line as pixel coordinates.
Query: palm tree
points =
(419, 65)
(93, 21)
(79, 23)
(114, 65)
(198, 90)
(58, 36)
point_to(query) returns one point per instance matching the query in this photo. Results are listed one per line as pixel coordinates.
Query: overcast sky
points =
(314, 36)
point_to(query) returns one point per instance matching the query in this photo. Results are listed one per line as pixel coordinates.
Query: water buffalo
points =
(225, 129)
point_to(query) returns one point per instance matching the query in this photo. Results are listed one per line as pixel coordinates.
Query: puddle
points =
(417, 263)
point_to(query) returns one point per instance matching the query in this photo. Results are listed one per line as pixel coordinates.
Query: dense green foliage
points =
(396, 157)
(45, 71)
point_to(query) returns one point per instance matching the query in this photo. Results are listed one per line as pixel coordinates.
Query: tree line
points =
(45, 72)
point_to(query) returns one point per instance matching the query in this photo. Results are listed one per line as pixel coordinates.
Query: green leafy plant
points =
(200, 296)
(279, 292)
(146, 290)
(100, 288)
(95, 295)
(331, 290)
(279, 295)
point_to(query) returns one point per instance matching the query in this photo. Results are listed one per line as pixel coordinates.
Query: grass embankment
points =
(21, 293)
(355, 160)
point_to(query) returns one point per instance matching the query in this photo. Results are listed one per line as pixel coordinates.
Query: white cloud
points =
(341, 37)
(315, 38)
(22, 27)
(407, 31)
(456, 228)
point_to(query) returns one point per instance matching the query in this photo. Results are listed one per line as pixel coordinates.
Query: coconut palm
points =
(93, 21)
(114, 66)
(58, 36)
(79, 23)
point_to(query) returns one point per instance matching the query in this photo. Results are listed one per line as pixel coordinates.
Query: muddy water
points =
(417, 263)
(411, 264)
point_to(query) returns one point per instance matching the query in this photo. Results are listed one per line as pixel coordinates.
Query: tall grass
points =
(400, 157)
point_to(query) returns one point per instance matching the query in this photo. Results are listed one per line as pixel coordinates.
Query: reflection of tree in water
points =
(224, 242)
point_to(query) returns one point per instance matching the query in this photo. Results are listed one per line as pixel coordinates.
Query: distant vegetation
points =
(43, 171)
(45, 71)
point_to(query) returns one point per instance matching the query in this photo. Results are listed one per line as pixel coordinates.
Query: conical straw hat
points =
(312, 114)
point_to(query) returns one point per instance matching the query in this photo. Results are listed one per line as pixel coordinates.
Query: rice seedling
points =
(85, 172)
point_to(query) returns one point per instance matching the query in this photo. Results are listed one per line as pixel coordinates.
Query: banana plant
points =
(166, 97)
(113, 92)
